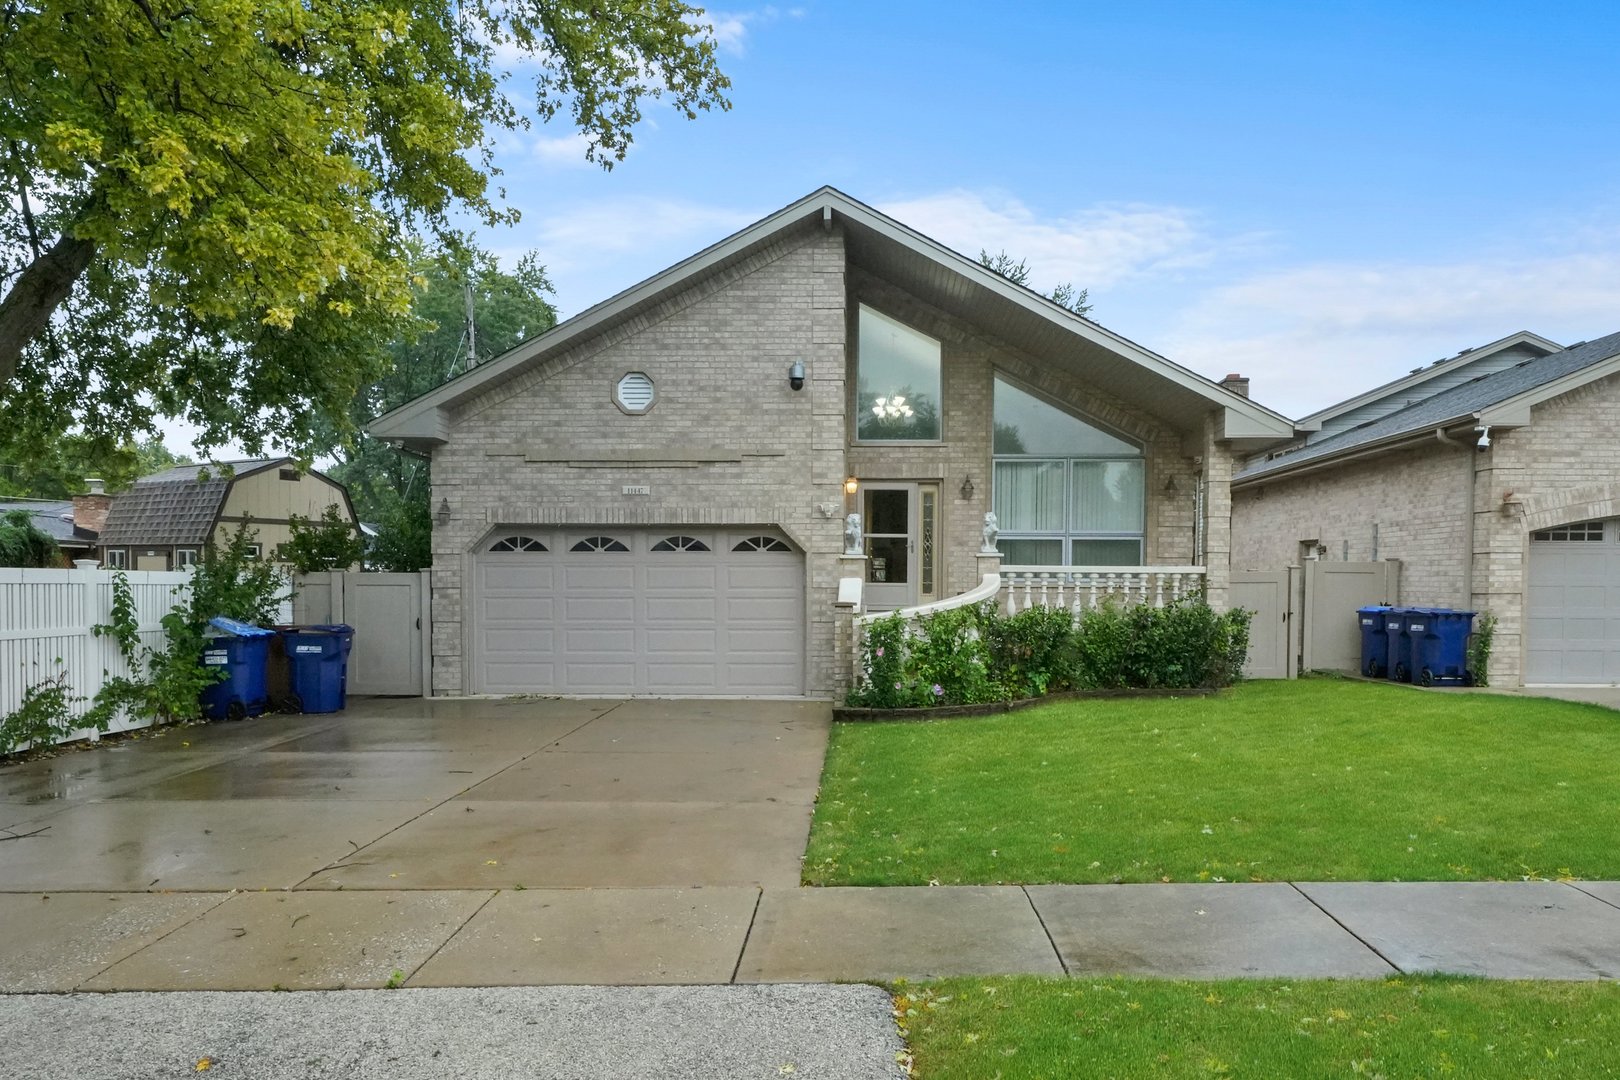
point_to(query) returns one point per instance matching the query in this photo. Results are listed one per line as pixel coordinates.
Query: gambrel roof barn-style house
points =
(656, 496)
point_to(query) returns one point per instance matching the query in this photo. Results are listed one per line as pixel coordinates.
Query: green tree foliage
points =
(23, 544)
(59, 469)
(330, 542)
(1017, 272)
(388, 487)
(206, 206)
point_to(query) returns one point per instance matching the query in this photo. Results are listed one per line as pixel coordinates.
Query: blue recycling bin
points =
(1440, 646)
(1397, 645)
(242, 653)
(318, 665)
(1374, 640)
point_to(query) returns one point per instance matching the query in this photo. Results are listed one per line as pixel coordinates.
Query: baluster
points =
(1091, 580)
(1175, 586)
(1044, 579)
(1074, 609)
(1029, 590)
(1012, 594)
(1158, 590)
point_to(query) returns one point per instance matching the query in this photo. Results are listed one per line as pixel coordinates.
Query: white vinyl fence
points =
(45, 629)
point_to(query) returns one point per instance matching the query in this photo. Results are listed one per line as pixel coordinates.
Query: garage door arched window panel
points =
(1580, 531)
(517, 543)
(761, 543)
(1066, 491)
(599, 543)
(680, 543)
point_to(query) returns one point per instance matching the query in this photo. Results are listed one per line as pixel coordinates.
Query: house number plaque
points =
(637, 489)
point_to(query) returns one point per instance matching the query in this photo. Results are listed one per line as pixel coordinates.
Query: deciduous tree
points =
(206, 206)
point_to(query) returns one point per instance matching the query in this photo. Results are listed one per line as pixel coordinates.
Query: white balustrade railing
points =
(987, 589)
(1081, 588)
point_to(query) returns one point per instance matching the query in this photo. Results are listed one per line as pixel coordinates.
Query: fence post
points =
(88, 675)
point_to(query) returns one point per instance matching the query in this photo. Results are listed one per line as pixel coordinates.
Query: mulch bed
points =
(995, 708)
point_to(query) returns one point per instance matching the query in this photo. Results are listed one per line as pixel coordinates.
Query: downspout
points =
(1468, 548)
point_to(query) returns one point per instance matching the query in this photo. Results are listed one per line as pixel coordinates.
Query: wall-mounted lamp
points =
(796, 375)
(444, 512)
(966, 490)
(1169, 485)
(851, 486)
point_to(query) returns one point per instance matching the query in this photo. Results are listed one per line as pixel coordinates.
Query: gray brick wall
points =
(718, 353)
(1564, 467)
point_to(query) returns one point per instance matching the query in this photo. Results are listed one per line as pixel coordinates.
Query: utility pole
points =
(472, 329)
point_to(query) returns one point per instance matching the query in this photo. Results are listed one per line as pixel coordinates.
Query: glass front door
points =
(901, 540)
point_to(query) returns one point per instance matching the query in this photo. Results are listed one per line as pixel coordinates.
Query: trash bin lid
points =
(239, 629)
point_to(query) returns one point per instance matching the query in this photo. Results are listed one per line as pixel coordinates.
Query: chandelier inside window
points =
(891, 408)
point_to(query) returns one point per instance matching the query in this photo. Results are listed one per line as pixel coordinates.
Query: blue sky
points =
(1319, 196)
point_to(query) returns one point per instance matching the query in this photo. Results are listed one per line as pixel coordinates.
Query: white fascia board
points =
(1314, 421)
(400, 422)
(414, 419)
(1515, 411)
(1410, 437)
(1258, 416)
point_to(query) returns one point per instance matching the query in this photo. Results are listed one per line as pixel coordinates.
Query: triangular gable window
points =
(1066, 492)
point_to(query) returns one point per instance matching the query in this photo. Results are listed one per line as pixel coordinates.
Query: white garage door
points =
(1572, 620)
(623, 611)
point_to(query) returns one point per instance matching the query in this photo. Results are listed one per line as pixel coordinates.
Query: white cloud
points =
(562, 151)
(1092, 248)
(1318, 333)
(731, 28)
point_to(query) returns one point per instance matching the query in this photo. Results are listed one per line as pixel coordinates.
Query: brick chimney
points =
(1238, 384)
(90, 511)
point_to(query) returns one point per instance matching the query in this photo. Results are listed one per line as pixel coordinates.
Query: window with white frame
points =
(1066, 492)
(897, 381)
(184, 557)
(255, 551)
(117, 559)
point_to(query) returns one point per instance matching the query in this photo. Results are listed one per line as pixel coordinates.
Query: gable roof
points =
(924, 267)
(1416, 385)
(173, 506)
(1500, 399)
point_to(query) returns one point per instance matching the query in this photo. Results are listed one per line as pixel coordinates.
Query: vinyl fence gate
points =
(391, 616)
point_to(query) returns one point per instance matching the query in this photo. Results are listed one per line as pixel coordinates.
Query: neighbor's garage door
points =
(618, 611)
(1573, 618)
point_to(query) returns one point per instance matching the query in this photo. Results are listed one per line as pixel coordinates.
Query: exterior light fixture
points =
(444, 512)
(967, 487)
(851, 486)
(796, 375)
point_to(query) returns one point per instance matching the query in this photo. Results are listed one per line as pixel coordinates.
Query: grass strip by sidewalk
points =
(1312, 780)
(1028, 1028)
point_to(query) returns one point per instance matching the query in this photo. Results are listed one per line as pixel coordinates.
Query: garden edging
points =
(850, 714)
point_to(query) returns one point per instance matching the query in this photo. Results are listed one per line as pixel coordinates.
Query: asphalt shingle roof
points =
(173, 506)
(53, 517)
(1471, 397)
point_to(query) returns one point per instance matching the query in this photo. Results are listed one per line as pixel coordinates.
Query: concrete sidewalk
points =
(322, 939)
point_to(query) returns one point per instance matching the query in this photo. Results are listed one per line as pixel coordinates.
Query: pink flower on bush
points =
(939, 691)
(880, 650)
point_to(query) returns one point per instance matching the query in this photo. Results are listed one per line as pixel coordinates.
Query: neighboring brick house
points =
(164, 520)
(74, 523)
(653, 496)
(1499, 494)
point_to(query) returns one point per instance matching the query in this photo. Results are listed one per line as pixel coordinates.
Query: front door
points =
(902, 529)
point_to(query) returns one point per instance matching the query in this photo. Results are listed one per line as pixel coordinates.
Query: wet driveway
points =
(414, 794)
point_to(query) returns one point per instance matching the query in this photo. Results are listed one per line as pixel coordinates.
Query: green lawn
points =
(1028, 1028)
(1314, 780)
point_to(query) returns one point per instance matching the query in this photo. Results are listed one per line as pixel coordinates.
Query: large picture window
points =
(897, 381)
(1065, 492)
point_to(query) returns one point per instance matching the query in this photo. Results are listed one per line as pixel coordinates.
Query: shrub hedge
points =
(969, 655)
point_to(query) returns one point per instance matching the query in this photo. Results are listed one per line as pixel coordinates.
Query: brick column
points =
(1217, 514)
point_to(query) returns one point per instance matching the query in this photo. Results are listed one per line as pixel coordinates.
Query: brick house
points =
(1494, 476)
(663, 494)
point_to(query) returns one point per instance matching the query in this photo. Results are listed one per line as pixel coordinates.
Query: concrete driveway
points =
(335, 851)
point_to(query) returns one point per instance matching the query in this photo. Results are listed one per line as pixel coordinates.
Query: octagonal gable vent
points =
(635, 393)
